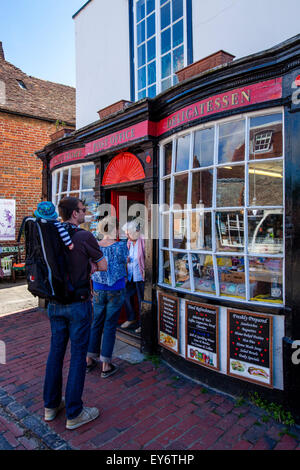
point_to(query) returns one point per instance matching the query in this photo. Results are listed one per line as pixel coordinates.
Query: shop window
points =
(180, 189)
(224, 210)
(77, 181)
(264, 187)
(203, 154)
(202, 188)
(182, 153)
(232, 142)
(200, 230)
(180, 230)
(265, 137)
(230, 186)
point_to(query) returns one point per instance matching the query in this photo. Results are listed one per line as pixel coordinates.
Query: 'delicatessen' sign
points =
(202, 334)
(250, 348)
(168, 311)
(232, 99)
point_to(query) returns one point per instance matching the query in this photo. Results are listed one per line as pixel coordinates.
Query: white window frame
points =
(58, 174)
(158, 55)
(214, 209)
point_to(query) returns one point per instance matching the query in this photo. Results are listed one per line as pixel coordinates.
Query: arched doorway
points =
(124, 179)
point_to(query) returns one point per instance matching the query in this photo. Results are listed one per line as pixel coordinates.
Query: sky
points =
(38, 36)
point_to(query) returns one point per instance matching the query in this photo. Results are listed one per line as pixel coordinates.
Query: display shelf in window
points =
(230, 231)
(231, 272)
(265, 276)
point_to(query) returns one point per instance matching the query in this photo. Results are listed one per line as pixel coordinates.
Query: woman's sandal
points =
(91, 366)
(109, 372)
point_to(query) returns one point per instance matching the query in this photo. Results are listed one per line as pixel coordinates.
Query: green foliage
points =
(273, 410)
(154, 359)
(59, 124)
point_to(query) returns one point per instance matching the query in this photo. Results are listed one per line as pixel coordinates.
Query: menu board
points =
(168, 308)
(202, 333)
(249, 340)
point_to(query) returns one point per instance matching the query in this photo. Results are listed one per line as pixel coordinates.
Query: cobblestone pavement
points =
(145, 406)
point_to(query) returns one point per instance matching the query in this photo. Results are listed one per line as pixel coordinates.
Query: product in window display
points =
(167, 278)
(182, 275)
(231, 272)
(203, 272)
(265, 275)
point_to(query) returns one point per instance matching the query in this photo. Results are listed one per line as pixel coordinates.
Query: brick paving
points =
(143, 407)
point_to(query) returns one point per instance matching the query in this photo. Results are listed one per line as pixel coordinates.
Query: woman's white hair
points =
(132, 228)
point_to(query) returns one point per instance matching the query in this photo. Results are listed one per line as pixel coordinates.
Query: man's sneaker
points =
(51, 413)
(128, 323)
(86, 415)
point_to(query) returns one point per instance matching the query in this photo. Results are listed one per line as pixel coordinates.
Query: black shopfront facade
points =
(212, 167)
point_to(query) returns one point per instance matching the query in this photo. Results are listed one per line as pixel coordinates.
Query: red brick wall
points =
(20, 169)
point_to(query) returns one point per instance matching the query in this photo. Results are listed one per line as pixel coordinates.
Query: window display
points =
(226, 214)
(77, 181)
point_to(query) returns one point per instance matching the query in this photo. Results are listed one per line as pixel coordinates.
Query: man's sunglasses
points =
(81, 209)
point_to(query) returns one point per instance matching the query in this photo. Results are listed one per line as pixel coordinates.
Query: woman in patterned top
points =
(108, 297)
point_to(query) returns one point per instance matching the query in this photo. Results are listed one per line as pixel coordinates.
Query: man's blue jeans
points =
(72, 322)
(107, 308)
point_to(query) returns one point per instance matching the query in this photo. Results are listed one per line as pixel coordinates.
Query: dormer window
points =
(263, 141)
(22, 84)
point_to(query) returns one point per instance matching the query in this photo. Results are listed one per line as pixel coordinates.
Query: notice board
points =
(168, 310)
(250, 347)
(202, 334)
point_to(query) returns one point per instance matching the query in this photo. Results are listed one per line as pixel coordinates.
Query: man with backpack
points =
(72, 320)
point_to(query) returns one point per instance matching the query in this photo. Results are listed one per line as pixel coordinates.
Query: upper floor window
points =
(160, 45)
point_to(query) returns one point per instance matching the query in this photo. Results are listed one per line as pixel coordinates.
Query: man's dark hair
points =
(66, 207)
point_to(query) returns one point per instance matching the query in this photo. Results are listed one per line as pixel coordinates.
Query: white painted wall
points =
(102, 58)
(242, 27)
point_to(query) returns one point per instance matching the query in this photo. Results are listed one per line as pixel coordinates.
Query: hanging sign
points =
(249, 341)
(202, 334)
(7, 219)
(168, 310)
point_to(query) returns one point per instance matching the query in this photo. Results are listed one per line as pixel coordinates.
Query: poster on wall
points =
(7, 219)
(202, 334)
(249, 341)
(168, 310)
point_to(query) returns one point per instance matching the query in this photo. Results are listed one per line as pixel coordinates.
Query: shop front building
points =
(210, 168)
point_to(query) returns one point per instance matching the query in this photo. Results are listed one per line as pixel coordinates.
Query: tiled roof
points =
(40, 98)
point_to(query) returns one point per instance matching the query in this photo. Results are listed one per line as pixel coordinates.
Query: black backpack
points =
(46, 263)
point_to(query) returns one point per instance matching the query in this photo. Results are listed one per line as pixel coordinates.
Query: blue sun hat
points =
(46, 210)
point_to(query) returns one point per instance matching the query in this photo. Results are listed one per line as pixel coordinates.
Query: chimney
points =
(209, 62)
(1, 52)
(113, 108)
